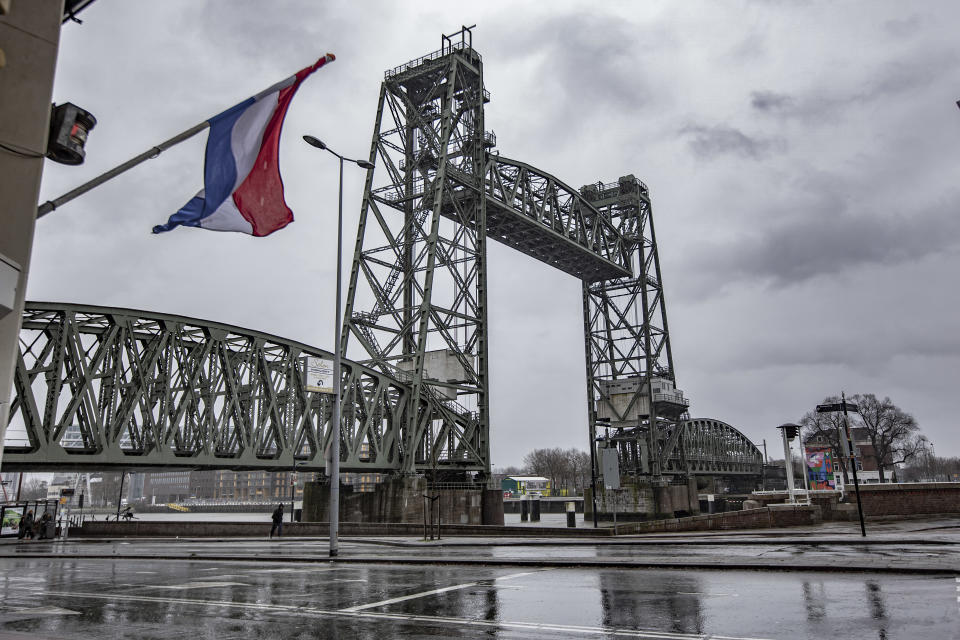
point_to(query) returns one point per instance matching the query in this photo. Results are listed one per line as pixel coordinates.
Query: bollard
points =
(535, 509)
(524, 509)
(571, 514)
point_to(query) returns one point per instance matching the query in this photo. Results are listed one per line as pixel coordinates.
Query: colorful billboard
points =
(819, 468)
(11, 520)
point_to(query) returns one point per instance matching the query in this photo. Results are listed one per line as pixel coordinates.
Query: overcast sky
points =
(802, 159)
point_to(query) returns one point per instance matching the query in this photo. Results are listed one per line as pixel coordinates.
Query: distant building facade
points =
(518, 486)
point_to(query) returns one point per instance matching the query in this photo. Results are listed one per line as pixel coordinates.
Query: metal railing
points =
(454, 486)
(434, 55)
(674, 398)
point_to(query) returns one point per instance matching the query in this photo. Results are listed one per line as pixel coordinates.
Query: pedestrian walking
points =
(43, 525)
(26, 526)
(277, 521)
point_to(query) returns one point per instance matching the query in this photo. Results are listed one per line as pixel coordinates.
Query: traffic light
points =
(69, 126)
(790, 430)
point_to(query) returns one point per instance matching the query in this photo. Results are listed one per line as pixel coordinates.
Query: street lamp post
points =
(293, 488)
(335, 422)
(789, 431)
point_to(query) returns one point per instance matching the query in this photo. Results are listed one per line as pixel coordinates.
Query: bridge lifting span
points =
(121, 388)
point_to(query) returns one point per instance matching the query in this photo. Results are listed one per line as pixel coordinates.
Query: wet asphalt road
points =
(930, 554)
(93, 598)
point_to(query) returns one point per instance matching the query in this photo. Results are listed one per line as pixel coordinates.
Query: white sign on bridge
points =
(610, 467)
(318, 374)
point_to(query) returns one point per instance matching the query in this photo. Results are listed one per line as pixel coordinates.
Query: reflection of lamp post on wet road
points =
(335, 421)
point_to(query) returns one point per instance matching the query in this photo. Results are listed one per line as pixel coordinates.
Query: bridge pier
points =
(642, 499)
(401, 499)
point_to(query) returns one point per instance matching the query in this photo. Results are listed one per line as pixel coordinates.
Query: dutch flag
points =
(243, 190)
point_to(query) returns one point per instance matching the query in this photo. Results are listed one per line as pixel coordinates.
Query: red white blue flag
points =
(243, 190)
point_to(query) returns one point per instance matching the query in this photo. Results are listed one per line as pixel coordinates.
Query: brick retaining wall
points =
(884, 500)
(762, 518)
(909, 499)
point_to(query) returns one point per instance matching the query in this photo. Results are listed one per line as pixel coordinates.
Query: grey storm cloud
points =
(719, 140)
(895, 77)
(770, 101)
(589, 66)
(828, 239)
(903, 27)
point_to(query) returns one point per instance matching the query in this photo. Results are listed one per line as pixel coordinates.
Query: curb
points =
(507, 562)
(465, 541)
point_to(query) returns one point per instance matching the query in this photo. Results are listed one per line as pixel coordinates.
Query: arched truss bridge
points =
(117, 388)
(714, 448)
(99, 387)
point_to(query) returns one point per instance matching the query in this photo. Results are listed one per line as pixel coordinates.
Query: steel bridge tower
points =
(631, 386)
(416, 300)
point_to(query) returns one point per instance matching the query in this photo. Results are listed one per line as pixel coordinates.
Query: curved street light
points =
(335, 421)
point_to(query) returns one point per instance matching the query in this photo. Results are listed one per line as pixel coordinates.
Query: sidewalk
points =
(929, 546)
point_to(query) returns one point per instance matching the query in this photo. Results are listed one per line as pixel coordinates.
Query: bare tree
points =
(499, 473)
(580, 468)
(551, 464)
(33, 489)
(567, 469)
(893, 433)
(928, 467)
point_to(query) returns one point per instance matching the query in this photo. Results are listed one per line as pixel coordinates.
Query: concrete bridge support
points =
(644, 500)
(401, 499)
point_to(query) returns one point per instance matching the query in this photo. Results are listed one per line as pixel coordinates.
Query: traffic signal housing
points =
(791, 430)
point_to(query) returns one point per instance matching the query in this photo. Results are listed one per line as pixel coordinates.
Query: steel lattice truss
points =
(418, 282)
(625, 324)
(420, 268)
(105, 387)
(715, 448)
(121, 388)
(537, 214)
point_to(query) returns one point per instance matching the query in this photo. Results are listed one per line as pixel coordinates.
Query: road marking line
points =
(432, 592)
(412, 596)
(516, 575)
(289, 570)
(197, 585)
(47, 611)
(300, 610)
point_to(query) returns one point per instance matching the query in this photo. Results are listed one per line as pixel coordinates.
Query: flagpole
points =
(151, 153)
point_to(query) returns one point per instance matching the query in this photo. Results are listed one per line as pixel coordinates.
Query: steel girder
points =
(104, 387)
(421, 275)
(539, 215)
(715, 448)
(625, 325)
